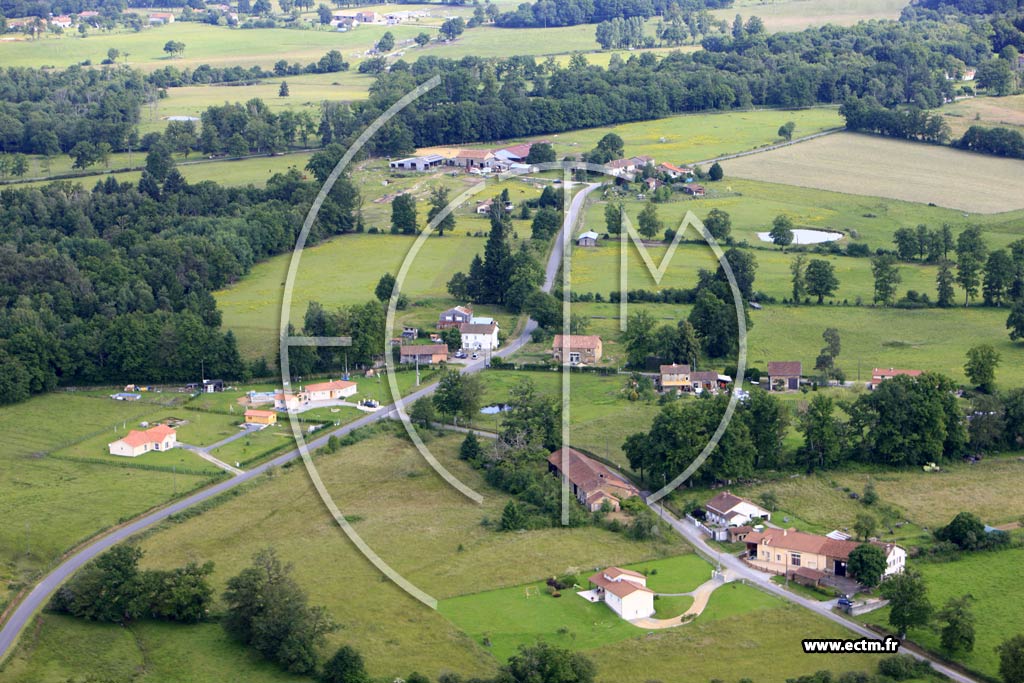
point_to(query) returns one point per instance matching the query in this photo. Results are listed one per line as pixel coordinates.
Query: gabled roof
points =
(475, 153)
(724, 502)
(424, 349)
(621, 163)
(589, 474)
(336, 385)
(157, 434)
(673, 168)
(704, 376)
(589, 233)
(620, 588)
(472, 328)
(460, 309)
(577, 341)
(674, 369)
(799, 541)
(520, 150)
(786, 368)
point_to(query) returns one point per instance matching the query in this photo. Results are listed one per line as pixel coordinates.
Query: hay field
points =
(796, 15)
(883, 167)
(1005, 112)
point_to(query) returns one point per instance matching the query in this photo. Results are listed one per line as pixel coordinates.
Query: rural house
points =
(624, 591)
(674, 377)
(729, 510)
(135, 442)
(590, 481)
(784, 375)
(879, 375)
(785, 551)
(454, 317)
(694, 190)
(161, 18)
(328, 391)
(587, 239)
(479, 336)
(260, 417)
(673, 171)
(576, 348)
(707, 380)
(424, 354)
(61, 20)
(286, 400)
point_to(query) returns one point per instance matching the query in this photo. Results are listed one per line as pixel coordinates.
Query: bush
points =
(903, 668)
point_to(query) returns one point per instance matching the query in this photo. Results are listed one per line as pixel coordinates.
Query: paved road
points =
(737, 568)
(35, 600)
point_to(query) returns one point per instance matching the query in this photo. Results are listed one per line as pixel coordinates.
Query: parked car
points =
(460, 354)
(845, 601)
(475, 356)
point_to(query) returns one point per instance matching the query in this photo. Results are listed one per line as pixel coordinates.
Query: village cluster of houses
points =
(807, 558)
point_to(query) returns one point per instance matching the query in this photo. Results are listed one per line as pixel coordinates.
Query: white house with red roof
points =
(879, 375)
(328, 391)
(136, 442)
(624, 591)
(730, 510)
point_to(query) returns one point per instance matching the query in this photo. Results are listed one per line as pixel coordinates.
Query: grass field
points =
(204, 44)
(849, 162)
(690, 138)
(600, 417)
(871, 337)
(984, 111)
(414, 521)
(989, 579)
(796, 15)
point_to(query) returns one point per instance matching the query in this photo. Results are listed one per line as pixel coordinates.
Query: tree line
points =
(115, 284)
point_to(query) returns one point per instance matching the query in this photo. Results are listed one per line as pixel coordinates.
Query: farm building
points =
(694, 190)
(587, 239)
(624, 591)
(627, 167)
(473, 158)
(454, 317)
(784, 375)
(729, 510)
(593, 483)
(782, 551)
(328, 391)
(514, 153)
(879, 375)
(161, 18)
(707, 380)
(674, 377)
(424, 163)
(479, 336)
(425, 354)
(576, 348)
(260, 417)
(136, 442)
(61, 20)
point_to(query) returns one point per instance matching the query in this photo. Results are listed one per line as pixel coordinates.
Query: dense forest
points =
(115, 284)
(48, 112)
(548, 13)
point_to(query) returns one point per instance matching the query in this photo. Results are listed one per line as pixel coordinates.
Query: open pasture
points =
(871, 337)
(796, 15)
(990, 112)
(204, 44)
(885, 167)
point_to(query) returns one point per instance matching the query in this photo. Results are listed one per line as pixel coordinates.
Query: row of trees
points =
(904, 422)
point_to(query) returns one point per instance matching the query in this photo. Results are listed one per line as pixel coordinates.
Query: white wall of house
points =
(480, 342)
(896, 562)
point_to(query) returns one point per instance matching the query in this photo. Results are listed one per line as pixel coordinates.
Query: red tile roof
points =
(577, 341)
(424, 349)
(336, 385)
(620, 588)
(475, 154)
(589, 474)
(799, 541)
(157, 434)
(789, 368)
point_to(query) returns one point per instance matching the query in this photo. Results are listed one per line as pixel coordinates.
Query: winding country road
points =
(38, 596)
(761, 580)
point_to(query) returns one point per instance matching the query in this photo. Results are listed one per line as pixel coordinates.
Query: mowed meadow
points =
(884, 167)
(416, 522)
